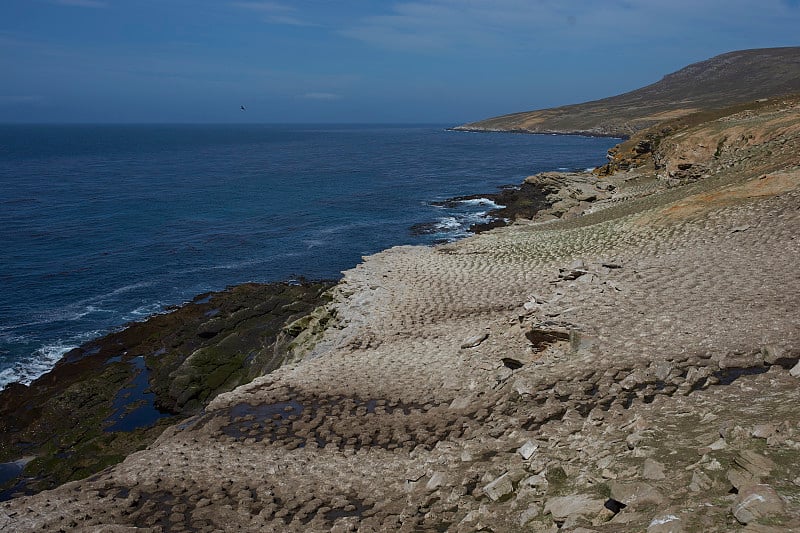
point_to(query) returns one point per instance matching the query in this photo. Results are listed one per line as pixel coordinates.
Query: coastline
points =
(538, 375)
(142, 395)
(115, 394)
(577, 133)
(131, 416)
(356, 202)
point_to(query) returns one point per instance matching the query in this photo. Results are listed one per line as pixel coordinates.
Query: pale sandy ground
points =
(652, 392)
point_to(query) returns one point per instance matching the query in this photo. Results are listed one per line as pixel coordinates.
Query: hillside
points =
(727, 79)
(626, 362)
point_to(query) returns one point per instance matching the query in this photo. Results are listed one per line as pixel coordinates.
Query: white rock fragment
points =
(665, 523)
(562, 507)
(538, 482)
(529, 514)
(460, 402)
(528, 449)
(757, 501)
(635, 493)
(437, 480)
(499, 488)
(718, 444)
(472, 342)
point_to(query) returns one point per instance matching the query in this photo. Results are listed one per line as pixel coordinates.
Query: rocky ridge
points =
(630, 364)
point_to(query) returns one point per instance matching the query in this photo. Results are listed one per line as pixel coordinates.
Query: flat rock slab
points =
(500, 488)
(652, 469)
(635, 493)
(757, 501)
(475, 341)
(528, 449)
(562, 507)
(756, 464)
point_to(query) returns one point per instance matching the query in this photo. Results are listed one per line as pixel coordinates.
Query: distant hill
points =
(721, 81)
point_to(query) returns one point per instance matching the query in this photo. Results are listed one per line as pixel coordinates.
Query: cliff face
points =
(631, 366)
(724, 80)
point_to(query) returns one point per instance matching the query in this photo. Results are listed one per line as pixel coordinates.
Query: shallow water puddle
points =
(134, 406)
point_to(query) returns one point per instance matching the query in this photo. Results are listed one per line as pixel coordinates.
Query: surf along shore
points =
(627, 360)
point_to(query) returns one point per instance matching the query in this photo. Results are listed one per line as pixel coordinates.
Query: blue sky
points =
(446, 61)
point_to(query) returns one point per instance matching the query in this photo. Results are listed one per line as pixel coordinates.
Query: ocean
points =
(101, 225)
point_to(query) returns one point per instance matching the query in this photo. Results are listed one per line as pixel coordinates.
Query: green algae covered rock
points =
(114, 395)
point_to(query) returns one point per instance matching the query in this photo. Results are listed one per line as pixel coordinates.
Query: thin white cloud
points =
(320, 96)
(441, 24)
(455, 24)
(269, 7)
(82, 3)
(276, 13)
(289, 21)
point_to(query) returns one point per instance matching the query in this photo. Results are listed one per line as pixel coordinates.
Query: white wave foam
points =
(76, 310)
(39, 363)
(144, 311)
(341, 228)
(65, 314)
(457, 227)
(237, 264)
(101, 297)
(447, 224)
(482, 202)
(12, 337)
(313, 243)
(477, 218)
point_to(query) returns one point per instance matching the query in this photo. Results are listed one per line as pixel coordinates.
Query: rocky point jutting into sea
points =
(624, 360)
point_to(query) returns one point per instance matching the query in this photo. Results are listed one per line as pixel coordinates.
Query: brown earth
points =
(627, 364)
(735, 77)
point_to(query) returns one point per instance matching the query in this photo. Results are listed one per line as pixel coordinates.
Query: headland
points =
(733, 78)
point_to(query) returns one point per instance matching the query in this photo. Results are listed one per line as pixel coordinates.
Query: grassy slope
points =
(721, 81)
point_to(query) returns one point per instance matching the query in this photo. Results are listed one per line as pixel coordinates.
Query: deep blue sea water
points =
(102, 225)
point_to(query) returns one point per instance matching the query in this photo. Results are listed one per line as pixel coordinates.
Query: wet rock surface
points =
(116, 394)
(628, 369)
(545, 196)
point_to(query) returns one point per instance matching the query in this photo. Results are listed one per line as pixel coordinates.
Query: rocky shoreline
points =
(626, 359)
(597, 132)
(114, 395)
(541, 197)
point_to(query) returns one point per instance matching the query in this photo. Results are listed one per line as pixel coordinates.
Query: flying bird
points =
(242, 107)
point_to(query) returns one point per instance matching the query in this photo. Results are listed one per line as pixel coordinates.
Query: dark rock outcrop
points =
(115, 394)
